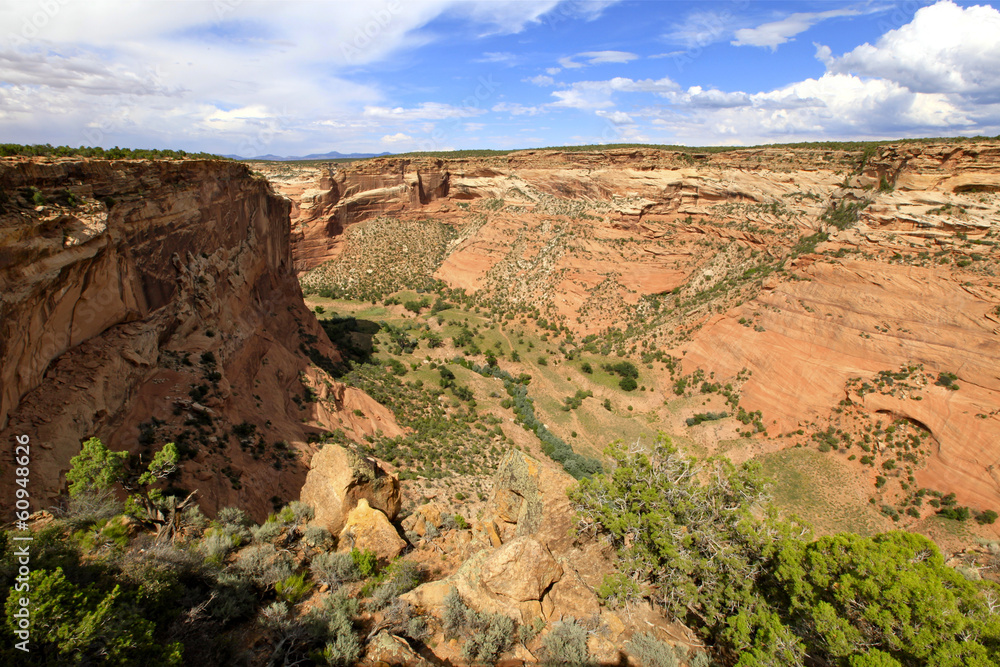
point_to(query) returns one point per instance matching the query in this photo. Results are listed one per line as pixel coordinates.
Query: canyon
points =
(425, 351)
(812, 270)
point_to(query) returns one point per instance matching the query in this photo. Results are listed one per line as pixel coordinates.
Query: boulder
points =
(339, 478)
(521, 570)
(368, 528)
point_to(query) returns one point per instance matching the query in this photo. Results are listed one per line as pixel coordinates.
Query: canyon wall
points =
(146, 302)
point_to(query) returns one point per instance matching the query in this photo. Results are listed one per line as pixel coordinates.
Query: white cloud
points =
(499, 57)
(598, 94)
(596, 58)
(397, 138)
(515, 109)
(425, 111)
(702, 28)
(174, 74)
(770, 35)
(553, 70)
(616, 117)
(945, 49)
(540, 80)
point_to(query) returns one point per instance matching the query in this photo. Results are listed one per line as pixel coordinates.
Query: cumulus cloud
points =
(397, 138)
(770, 35)
(944, 49)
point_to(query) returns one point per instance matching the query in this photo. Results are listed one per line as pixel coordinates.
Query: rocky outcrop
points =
(368, 529)
(147, 302)
(540, 573)
(339, 479)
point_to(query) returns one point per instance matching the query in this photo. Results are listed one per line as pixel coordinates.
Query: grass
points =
(815, 487)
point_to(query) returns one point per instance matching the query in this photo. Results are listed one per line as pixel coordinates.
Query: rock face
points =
(369, 529)
(160, 293)
(339, 479)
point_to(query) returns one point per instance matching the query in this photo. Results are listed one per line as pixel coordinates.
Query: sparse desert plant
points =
(403, 576)
(233, 516)
(455, 613)
(650, 651)
(366, 561)
(566, 644)
(334, 569)
(264, 564)
(293, 588)
(233, 598)
(317, 537)
(267, 532)
(490, 636)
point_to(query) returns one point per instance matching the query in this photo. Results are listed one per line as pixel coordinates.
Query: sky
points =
(292, 78)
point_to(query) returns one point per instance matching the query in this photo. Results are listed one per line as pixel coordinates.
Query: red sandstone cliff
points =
(128, 285)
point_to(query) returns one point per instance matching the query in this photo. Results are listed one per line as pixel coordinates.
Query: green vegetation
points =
(110, 585)
(702, 417)
(47, 150)
(690, 540)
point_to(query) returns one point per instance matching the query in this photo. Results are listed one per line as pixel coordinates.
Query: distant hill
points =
(332, 155)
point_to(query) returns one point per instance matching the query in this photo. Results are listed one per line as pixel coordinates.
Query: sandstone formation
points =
(144, 302)
(339, 478)
(369, 529)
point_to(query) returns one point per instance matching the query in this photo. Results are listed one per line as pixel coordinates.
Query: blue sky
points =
(290, 78)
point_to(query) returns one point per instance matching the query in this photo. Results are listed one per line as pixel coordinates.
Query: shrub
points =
(628, 384)
(403, 576)
(216, 546)
(333, 621)
(490, 635)
(317, 537)
(366, 561)
(334, 569)
(233, 516)
(455, 612)
(267, 532)
(487, 635)
(293, 588)
(264, 564)
(986, 517)
(650, 651)
(566, 644)
(233, 598)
